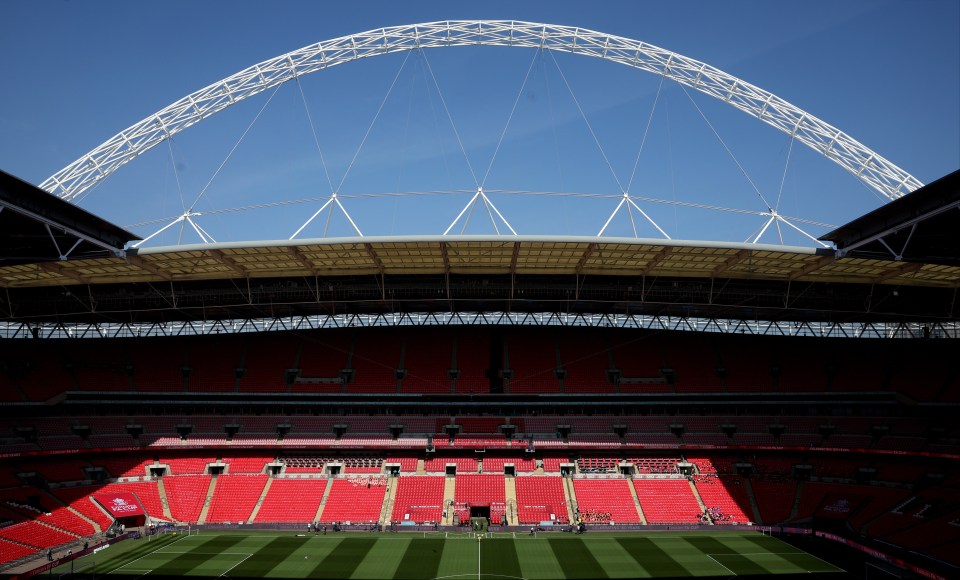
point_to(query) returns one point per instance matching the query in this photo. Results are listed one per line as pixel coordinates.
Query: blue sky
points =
(77, 72)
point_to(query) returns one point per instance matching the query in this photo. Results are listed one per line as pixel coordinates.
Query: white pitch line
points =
(235, 565)
(147, 554)
(721, 565)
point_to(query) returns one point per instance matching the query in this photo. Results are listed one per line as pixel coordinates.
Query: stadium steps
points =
(571, 498)
(96, 526)
(421, 467)
(53, 527)
(202, 519)
(323, 500)
(256, 506)
(796, 502)
(389, 497)
(449, 496)
(636, 504)
(754, 506)
(510, 498)
(163, 500)
(696, 495)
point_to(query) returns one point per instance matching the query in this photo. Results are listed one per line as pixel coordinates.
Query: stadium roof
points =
(37, 227)
(481, 255)
(363, 275)
(919, 227)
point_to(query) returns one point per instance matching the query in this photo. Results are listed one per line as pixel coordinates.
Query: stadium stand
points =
(666, 501)
(292, 500)
(419, 499)
(540, 499)
(601, 501)
(234, 497)
(355, 499)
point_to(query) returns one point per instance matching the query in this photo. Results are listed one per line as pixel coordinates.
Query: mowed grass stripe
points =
(726, 556)
(575, 559)
(344, 559)
(459, 558)
(134, 554)
(182, 564)
(499, 557)
(616, 561)
(537, 560)
(383, 559)
(420, 560)
(652, 557)
(267, 557)
(771, 544)
(792, 554)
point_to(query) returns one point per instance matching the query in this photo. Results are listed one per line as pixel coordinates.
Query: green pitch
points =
(426, 556)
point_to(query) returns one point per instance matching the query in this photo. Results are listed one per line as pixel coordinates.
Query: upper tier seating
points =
(41, 369)
(428, 363)
(376, 357)
(533, 359)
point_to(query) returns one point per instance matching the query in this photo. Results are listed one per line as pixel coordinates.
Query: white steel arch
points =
(832, 143)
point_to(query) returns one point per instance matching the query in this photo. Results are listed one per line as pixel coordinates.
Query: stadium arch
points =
(848, 153)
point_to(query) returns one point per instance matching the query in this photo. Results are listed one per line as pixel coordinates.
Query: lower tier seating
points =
(605, 500)
(540, 499)
(419, 499)
(667, 501)
(234, 497)
(356, 500)
(291, 500)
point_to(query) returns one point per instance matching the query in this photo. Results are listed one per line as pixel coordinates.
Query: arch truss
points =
(868, 166)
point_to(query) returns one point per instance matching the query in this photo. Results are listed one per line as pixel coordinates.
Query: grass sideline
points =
(251, 554)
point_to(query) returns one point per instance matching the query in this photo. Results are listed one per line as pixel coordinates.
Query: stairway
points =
(571, 498)
(636, 502)
(389, 497)
(510, 497)
(449, 495)
(753, 501)
(96, 526)
(163, 500)
(796, 502)
(696, 495)
(263, 496)
(206, 502)
(323, 501)
(53, 527)
(421, 466)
